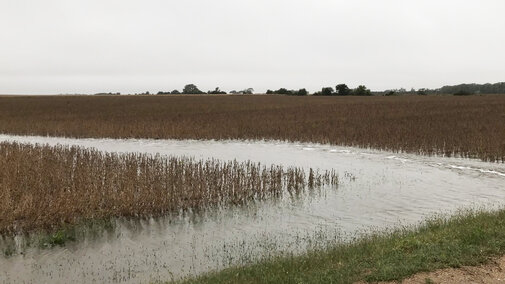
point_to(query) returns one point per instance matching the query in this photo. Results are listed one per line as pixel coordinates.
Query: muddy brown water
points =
(377, 190)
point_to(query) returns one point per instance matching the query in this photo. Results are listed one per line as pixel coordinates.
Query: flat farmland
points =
(471, 126)
(253, 208)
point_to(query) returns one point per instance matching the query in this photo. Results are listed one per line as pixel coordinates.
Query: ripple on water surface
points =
(377, 190)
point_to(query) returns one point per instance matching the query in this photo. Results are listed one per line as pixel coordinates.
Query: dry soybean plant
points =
(470, 126)
(43, 187)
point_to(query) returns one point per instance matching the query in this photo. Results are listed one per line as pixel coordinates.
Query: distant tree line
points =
(457, 90)
(340, 90)
(498, 88)
(284, 91)
(192, 89)
(248, 91)
(402, 91)
(344, 90)
(108, 94)
(189, 89)
(174, 92)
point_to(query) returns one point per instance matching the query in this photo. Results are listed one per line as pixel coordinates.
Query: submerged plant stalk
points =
(44, 187)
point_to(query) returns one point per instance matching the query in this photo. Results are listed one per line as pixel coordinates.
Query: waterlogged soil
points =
(377, 190)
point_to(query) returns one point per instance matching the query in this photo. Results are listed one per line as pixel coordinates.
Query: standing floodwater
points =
(377, 190)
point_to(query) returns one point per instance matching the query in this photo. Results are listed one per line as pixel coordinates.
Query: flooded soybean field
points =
(376, 190)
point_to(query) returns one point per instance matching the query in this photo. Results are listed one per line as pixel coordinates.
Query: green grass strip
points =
(465, 240)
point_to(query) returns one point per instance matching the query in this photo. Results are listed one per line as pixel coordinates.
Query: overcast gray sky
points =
(128, 46)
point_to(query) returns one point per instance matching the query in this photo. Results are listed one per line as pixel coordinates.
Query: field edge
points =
(468, 239)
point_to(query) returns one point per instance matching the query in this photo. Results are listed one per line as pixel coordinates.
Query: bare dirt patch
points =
(493, 272)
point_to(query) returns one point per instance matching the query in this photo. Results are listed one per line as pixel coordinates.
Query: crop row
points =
(472, 126)
(43, 187)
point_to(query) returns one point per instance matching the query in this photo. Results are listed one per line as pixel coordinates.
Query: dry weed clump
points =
(44, 187)
(472, 126)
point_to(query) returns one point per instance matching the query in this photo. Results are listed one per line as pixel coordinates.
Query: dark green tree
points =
(217, 91)
(283, 91)
(302, 92)
(248, 91)
(362, 91)
(191, 89)
(343, 90)
(328, 91)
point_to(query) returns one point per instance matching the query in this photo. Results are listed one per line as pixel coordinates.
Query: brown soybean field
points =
(45, 187)
(472, 126)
